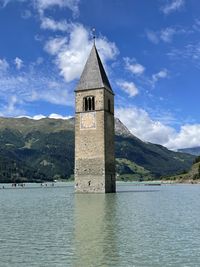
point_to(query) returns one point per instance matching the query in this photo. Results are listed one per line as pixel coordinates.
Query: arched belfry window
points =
(89, 103)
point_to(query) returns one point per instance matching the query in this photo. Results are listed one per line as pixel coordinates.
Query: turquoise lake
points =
(137, 226)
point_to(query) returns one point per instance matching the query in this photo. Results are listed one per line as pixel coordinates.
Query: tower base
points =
(95, 184)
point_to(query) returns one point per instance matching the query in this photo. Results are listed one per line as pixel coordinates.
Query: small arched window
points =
(85, 104)
(89, 103)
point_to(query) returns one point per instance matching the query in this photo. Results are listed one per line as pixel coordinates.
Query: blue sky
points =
(150, 49)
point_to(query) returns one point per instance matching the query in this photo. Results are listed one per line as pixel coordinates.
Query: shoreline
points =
(66, 183)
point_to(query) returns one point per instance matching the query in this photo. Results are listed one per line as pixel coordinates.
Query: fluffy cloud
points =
(174, 5)
(144, 127)
(55, 45)
(3, 65)
(71, 53)
(133, 66)
(46, 4)
(188, 136)
(128, 87)
(51, 24)
(165, 35)
(141, 125)
(160, 75)
(18, 63)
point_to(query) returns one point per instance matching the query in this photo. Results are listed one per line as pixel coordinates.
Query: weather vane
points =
(94, 34)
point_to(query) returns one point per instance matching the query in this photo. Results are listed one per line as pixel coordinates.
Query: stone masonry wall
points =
(94, 148)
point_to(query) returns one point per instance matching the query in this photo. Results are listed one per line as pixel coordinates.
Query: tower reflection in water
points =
(95, 232)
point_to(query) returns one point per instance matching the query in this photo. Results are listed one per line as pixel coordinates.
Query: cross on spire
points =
(94, 34)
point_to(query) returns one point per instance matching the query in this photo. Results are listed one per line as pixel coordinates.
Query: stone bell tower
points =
(94, 130)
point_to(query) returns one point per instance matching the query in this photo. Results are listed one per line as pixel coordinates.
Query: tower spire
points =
(93, 75)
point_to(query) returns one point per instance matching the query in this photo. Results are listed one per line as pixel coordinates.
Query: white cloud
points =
(71, 54)
(147, 129)
(106, 49)
(172, 6)
(141, 125)
(128, 87)
(160, 75)
(58, 116)
(167, 34)
(188, 136)
(3, 65)
(18, 62)
(51, 116)
(55, 45)
(133, 66)
(42, 5)
(51, 24)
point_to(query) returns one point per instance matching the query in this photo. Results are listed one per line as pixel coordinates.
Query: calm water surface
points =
(138, 226)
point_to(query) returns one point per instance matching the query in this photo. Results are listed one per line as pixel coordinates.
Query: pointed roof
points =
(93, 75)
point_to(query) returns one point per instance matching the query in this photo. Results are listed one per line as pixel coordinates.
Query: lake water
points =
(137, 226)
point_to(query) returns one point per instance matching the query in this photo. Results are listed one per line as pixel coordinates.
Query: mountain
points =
(152, 157)
(37, 150)
(192, 176)
(192, 150)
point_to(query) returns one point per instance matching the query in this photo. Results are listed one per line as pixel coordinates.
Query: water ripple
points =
(54, 227)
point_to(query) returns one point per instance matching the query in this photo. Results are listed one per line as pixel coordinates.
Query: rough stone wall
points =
(108, 96)
(94, 148)
(110, 179)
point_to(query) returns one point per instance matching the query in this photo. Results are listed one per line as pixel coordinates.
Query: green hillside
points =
(37, 150)
(192, 176)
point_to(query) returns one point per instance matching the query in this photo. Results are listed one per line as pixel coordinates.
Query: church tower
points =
(94, 130)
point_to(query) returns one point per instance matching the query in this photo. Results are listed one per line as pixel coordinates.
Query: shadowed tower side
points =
(94, 129)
